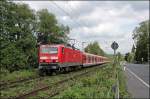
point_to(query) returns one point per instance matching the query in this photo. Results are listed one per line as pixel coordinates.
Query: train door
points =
(63, 54)
(84, 57)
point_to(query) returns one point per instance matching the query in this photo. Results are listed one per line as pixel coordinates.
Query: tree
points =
(49, 31)
(21, 29)
(94, 48)
(141, 38)
(17, 40)
(129, 57)
(126, 56)
(133, 49)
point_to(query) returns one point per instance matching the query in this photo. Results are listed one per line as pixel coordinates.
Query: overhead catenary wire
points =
(66, 13)
(72, 18)
(71, 9)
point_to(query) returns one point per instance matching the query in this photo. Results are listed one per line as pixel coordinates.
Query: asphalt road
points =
(137, 76)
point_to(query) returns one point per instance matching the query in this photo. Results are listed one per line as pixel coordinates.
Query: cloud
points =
(102, 21)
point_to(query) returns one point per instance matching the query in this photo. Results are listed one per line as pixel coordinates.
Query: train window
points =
(51, 50)
(44, 50)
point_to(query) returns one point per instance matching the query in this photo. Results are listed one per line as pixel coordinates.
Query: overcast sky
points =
(102, 21)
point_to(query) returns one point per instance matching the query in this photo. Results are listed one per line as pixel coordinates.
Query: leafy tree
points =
(94, 48)
(49, 31)
(141, 38)
(21, 29)
(133, 49)
(133, 53)
(129, 57)
(126, 56)
(17, 40)
(13, 59)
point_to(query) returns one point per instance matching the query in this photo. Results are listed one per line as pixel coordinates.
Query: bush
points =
(12, 58)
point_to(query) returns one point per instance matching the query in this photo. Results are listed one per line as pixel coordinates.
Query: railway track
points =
(11, 84)
(44, 88)
(4, 83)
(14, 83)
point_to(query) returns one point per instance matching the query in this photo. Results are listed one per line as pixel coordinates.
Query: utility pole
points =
(73, 41)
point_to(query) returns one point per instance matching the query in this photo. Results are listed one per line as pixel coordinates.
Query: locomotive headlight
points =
(43, 57)
(54, 58)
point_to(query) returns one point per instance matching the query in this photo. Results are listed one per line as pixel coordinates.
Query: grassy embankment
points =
(98, 85)
(22, 88)
(18, 75)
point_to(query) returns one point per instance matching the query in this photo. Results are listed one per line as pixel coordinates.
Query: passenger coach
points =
(91, 59)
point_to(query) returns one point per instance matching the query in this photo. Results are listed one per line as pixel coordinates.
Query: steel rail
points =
(23, 96)
(14, 83)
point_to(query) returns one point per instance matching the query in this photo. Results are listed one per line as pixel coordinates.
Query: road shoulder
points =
(135, 87)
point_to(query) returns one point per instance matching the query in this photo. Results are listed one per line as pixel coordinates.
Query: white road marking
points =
(147, 85)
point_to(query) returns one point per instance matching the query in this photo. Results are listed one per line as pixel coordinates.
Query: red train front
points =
(58, 58)
(53, 58)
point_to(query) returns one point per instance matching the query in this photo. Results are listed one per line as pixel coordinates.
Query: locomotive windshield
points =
(51, 50)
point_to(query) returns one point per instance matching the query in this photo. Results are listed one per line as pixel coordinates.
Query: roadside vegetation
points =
(123, 93)
(100, 84)
(94, 86)
(24, 87)
(140, 51)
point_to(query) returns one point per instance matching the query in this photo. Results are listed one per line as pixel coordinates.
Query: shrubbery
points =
(22, 29)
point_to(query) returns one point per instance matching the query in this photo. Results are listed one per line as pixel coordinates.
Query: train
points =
(59, 58)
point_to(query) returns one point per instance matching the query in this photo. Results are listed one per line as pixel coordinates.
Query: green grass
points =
(122, 83)
(18, 75)
(27, 87)
(98, 85)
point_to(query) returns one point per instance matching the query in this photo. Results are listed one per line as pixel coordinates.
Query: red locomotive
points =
(57, 58)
